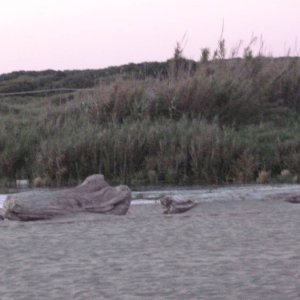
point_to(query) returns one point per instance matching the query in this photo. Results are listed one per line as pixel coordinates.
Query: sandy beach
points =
(225, 248)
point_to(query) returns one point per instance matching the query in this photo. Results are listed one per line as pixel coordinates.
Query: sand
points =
(225, 248)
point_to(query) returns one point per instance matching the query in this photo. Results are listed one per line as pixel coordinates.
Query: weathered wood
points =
(295, 199)
(174, 205)
(94, 195)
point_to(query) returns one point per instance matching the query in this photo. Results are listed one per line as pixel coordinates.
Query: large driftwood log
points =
(93, 195)
(174, 205)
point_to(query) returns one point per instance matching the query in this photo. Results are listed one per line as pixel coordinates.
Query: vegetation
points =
(179, 122)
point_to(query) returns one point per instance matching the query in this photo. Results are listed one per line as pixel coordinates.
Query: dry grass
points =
(225, 121)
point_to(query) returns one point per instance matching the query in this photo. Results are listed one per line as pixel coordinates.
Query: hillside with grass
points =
(49, 79)
(179, 122)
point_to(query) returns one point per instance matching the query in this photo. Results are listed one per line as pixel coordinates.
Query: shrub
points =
(263, 176)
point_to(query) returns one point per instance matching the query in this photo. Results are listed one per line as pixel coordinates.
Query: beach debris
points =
(176, 205)
(293, 199)
(94, 195)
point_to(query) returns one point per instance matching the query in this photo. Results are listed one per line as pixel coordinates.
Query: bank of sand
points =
(244, 247)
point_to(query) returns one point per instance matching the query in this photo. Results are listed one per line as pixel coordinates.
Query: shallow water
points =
(238, 243)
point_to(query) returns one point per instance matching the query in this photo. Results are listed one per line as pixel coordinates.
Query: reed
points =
(215, 121)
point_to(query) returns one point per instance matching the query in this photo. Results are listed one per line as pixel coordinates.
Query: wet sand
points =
(245, 247)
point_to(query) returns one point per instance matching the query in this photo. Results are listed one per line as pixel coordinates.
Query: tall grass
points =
(180, 151)
(225, 120)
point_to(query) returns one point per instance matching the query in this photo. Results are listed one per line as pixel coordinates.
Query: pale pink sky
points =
(80, 34)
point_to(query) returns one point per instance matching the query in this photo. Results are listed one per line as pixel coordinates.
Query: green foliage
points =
(225, 121)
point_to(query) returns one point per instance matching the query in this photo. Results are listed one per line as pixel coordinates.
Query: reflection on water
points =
(226, 193)
(2, 199)
(222, 249)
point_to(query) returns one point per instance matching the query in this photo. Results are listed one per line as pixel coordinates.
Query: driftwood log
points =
(94, 195)
(174, 205)
(295, 199)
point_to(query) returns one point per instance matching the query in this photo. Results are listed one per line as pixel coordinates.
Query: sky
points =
(82, 34)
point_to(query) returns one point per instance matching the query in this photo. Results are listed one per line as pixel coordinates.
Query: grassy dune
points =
(179, 122)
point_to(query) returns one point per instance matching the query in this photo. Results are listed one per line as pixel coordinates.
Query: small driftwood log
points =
(293, 199)
(94, 195)
(175, 205)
